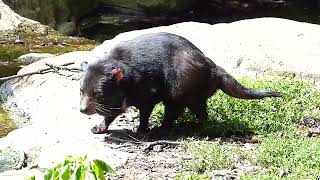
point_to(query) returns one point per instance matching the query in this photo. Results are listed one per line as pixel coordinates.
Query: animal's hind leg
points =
(172, 112)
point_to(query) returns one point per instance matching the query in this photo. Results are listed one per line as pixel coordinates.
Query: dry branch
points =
(161, 142)
(43, 71)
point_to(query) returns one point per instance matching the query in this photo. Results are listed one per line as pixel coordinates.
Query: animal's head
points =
(99, 89)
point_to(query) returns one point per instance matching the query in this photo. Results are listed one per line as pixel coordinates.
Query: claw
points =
(99, 129)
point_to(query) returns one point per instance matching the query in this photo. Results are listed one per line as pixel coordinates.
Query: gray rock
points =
(33, 57)
(21, 174)
(12, 22)
(9, 20)
(8, 159)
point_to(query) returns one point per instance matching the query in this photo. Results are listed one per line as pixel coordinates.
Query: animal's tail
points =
(233, 88)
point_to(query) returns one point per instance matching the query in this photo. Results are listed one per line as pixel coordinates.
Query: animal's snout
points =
(86, 110)
(87, 106)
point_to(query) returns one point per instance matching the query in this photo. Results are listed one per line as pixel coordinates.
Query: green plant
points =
(283, 152)
(186, 176)
(80, 168)
(212, 156)
(290, 157)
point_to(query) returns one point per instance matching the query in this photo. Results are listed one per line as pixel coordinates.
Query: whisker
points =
(106, 107)
(102, 108)
(103, 111)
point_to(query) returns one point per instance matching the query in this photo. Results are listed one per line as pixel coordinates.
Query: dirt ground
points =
(161, 162)
(162, 158)
(152, 158)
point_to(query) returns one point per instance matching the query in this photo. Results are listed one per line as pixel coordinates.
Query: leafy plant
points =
(290, 157)
(80, 168)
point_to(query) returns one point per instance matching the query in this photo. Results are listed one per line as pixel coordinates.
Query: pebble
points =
(19, 41)
(158, 148)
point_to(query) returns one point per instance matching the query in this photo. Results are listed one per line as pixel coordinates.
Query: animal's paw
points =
(99, 129)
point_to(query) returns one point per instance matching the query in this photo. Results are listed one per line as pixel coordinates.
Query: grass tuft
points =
(289, 158)
(212, 156)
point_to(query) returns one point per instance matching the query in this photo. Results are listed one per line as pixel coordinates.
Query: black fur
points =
(157, 67)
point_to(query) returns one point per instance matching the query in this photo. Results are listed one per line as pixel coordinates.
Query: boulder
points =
(50, 102)
(11, 21)
(33, 57)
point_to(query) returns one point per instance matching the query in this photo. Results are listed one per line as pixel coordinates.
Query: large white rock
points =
(254, 44)
(51, 101)
(10, 20)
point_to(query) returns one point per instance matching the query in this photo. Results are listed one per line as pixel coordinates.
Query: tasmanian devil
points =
(152, 68)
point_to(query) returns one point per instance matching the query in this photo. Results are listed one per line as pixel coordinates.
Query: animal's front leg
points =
(103, 127)
(144, 118)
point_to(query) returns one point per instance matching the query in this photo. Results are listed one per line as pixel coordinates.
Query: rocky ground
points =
(48, 103)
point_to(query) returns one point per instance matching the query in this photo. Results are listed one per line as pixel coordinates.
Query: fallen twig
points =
(122, 140)
(61, 67)
(161, 142)
(42, 71)
(135, 139)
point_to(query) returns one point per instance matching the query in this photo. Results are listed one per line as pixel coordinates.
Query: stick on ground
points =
(42, 71)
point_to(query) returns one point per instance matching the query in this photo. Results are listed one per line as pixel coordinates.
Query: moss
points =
(6, 124)
(52, 43)
(42, 40)
(11, 52)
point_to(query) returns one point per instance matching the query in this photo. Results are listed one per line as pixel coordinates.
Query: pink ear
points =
(117, 74)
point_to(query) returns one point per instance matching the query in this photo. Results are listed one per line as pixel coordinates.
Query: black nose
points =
(83, 110)
(87, 110)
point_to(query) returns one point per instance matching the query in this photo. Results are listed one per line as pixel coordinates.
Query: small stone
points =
(19, 41)
(283, 173)
(188, 157)
(316, 131)
(254, 140)
(158, 148)
(248, 146)
(252, 169)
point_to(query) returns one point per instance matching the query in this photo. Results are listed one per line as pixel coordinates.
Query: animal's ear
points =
(117, 74)
(84, 66)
